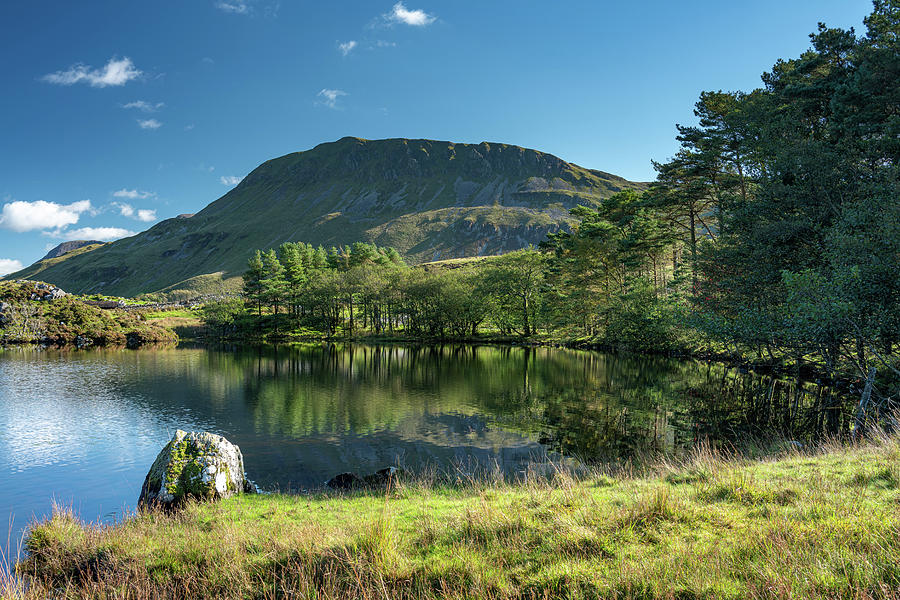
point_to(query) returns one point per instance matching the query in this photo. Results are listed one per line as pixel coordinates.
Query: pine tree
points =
(253, 289)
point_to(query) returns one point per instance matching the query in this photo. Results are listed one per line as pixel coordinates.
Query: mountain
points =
(67, 247)
(431, 200)
(53, 258)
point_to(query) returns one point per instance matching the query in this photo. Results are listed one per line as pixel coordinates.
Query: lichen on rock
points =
(197, 465)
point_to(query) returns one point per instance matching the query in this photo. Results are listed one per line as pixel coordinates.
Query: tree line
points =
(363, 288)
(773, 234)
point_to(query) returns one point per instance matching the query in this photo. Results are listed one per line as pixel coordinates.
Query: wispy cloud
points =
(347, 47)
(133, 194)
(416, 18)
(330, 97)
(102, 234)
(149, 124)
(141, 214)
(231, 180)
(385, 44)
(266, 8)
(117, 72)
(23, 216)
(147, 107)
(9, 265)
(235, 7)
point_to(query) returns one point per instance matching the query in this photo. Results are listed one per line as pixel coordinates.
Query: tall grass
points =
(812, 523)
(10, 585)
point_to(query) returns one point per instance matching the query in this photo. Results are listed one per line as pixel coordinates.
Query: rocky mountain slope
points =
(67, 247)
(431, 200)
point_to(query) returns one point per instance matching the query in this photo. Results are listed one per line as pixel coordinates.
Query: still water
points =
(81, 428)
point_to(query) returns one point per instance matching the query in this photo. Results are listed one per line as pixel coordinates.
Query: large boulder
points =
(197, 465)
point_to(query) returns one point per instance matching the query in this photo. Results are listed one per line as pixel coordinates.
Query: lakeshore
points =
(820, 523)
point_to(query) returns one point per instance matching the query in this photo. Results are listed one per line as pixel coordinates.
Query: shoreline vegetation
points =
(37, 313)
(803, 523)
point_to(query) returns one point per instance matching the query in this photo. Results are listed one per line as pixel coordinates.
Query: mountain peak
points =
(67, 247)
(429, 199)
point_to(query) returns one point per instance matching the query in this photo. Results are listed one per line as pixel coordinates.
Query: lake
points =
(81, 428)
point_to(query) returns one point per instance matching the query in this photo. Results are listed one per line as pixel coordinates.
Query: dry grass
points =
(824, 524)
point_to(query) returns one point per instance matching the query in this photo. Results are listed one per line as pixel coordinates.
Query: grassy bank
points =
(187, 324)
(799, 526)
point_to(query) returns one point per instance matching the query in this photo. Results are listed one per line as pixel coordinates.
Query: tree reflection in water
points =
(594, 406)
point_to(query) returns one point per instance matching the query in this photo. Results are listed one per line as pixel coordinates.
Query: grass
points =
(818, 525)
(178, 313)
(187, 324)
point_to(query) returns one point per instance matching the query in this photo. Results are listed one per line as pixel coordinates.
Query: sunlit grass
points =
(801, 525)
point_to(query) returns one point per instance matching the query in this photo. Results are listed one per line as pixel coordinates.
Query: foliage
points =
(69, 321)
(805, 260)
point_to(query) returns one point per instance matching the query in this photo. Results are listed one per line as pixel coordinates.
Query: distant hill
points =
(53, 259)
(431, 200)
(67, 247)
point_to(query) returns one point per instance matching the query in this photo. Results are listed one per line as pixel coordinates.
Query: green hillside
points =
(430, 200)
(50, 261)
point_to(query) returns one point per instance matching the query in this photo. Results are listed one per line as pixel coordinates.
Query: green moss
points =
(178, 455)
(184, 472)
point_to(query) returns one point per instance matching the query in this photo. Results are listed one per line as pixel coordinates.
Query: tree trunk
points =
(860, 420)
(693, 253)
(527, 329)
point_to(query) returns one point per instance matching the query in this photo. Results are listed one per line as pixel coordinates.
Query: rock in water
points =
(196, 465)
(389, 478)
(385, 478)
(345, 481)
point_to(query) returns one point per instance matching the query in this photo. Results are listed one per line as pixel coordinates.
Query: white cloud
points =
(146, 215)
(141, 214)
(143, 106)
(230, 180)
(347, 47)
(28, 216)
(133, 194)
(417, 18)
(118, 71)
(385, 44)
(102, 234)
(149, 124)
(235, 7)
(330, 97)
(9, 265)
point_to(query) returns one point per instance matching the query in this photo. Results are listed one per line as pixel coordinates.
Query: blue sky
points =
(115, 115)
